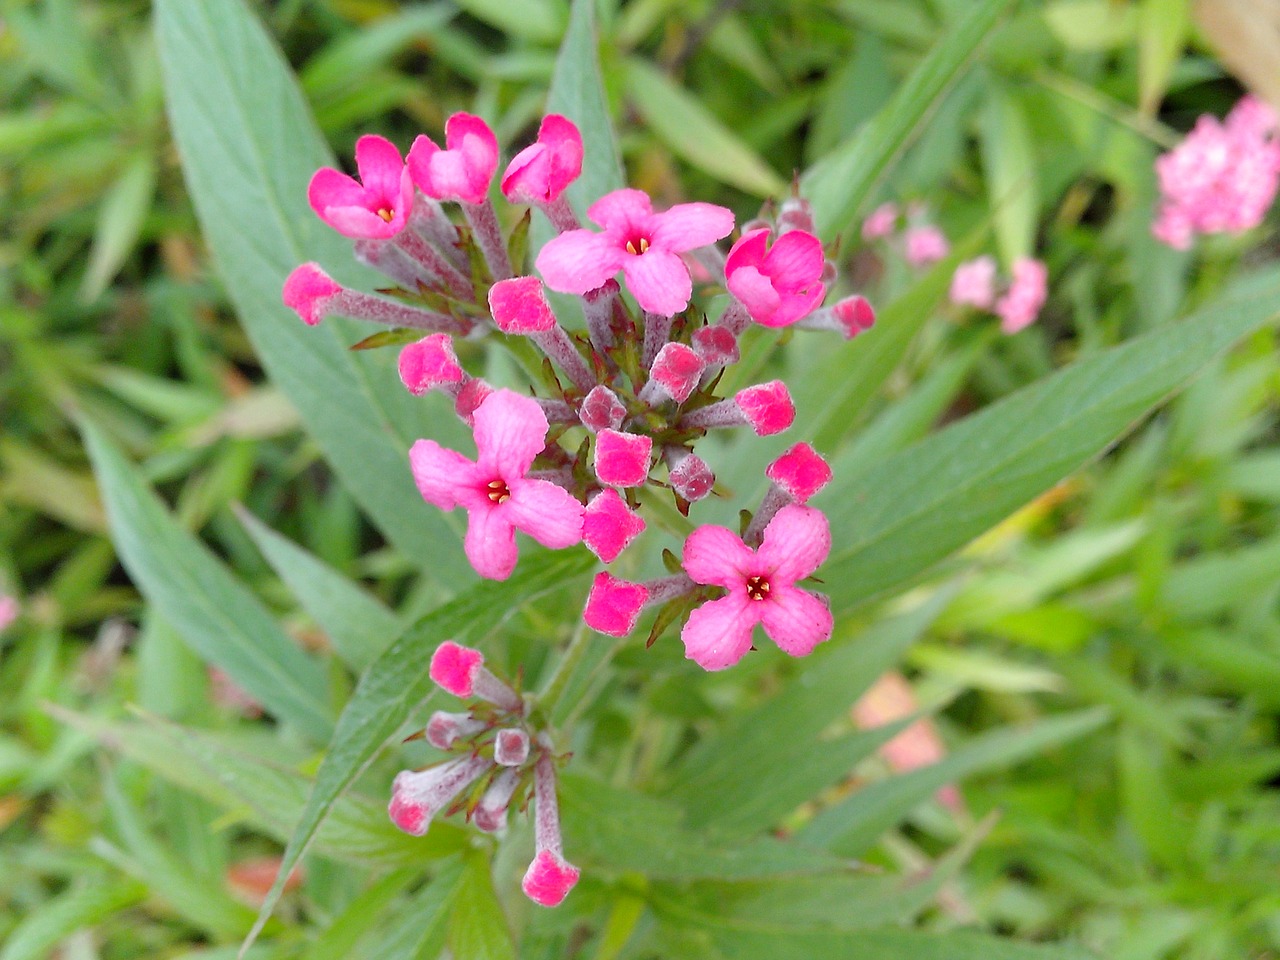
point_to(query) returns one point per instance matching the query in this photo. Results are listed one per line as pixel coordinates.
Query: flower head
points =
(464, 169)
(541, 171)
(761, 587)
(372, 208)
(495, 490)
(779, 284)
(974, 283)
(1027, 292)
(644, 245)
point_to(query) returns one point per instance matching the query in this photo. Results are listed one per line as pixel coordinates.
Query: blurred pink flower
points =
(924, 245)
(9, 610)
(974, 283)
(1027, 292)
(881, 223)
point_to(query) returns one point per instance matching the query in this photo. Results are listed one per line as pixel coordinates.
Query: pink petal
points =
(613, 605)
(659, 281)
(444, 477)
(361, 224)
(609, 526)
(687, 226)
(332, 188)
(718, 633)
(511, 430)
(801, 472)
(795, 261)
(796, 620)
(548, 513)
(716, 555)
(475, 140)
(549, 879)
(429, 363)
(755, 291)
(749, 251)
(455, 667)
(767, 406)
(579, 261)
(490, 543)
(622, 459)
(623, 211)
(796, 542)
(797, 306)
(305, 290)
(419, 163)
(380, 166)
(541, 171)
(519, 306)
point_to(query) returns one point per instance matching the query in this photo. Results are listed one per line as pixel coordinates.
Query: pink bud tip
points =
(609, 526)
(549, 879)
(429, 363)
(622, 459)
(692, 478)
(602, 410)
(717, 346)
(613, 605)
(855, 314)
(306, 289)
(801, 472)
(454, 667)
(511, 748)
(677, 367)
(520, 307)
(473, 393)
(767, 407)
(409, 815)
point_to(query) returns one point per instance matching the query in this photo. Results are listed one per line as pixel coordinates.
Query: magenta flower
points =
(374, 207)
(540, 172)
(622, 459)
(495, 490)
(644, 245)
(762, 588)
(779, 286)
(462, 171)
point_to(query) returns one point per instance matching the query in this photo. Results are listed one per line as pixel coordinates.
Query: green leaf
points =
(854, 824)
(120, 219)
(397, 687)
(213, 611)
(419, 931)
(358, 625)
(327, 75)
(362, 916)
(694, 133)
(841, 182)
(914, 508)
(249, 148)
(1009, 163)
(82, 906)
(1163, 29)
(536, 20)
(478, 928)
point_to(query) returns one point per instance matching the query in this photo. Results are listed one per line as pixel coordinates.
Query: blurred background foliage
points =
(1146, 584)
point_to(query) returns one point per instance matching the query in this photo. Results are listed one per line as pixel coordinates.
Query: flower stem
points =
(555, 687)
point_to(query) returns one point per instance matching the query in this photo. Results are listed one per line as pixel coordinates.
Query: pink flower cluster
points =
(622, 402)
(974, 285)
(1222, 178)
(497, 756)
(922, 243)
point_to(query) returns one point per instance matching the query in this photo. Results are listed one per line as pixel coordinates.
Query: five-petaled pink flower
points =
(462, 171)
(541, 171)
(762, 588)
(644, 245)
(782, 285)
(374, 207)
(496, 491)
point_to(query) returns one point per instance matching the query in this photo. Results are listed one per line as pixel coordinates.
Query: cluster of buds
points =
(499, 760)
(622, 402)
(922, 242)
(974, 285)
(1222, 178)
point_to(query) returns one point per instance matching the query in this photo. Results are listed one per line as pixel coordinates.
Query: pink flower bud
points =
(767, 407)
(549, 879)
(796, 213)
(473, 393)
(511, 747)
(676, 369)
(307, 292)
(855, 315)
(974, 283)
(602, 410)
(520, 307)
(462, 171)
(446, 729)
(417, 797)
(801, 472)
(622, 459)
(542, 171)
(924, 245)
(613, 605)
(455, 668)
(429, 363)
(716, 345)
(1028, 290)
(689, 475)
(881, 222)
(490, 814)
(609, 526)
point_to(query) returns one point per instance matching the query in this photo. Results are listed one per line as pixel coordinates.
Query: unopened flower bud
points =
(461, 671)
(550, 877)
(490, 814)
(689, 474)
(429, 363)
(674, 374)
(609, 525)
(511, 747)
(445, 729)
(613, 605)
(314, 295)
(417, 797)
(716, 345)
(622, 459)
(602, 410)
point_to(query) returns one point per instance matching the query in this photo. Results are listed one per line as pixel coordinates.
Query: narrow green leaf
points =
(397, 687)
(1163, 29)
(1236, 664)
(914, 508)
(213, 611)
(541, 21)
(420, 929)
(841, 182)
(853, 825)
(249, 148)
(697, 135)
(358, 625)
(120, 219)
(478, 928)
(1009, 165)
(361, 917)
(83, 906)
(328, 74)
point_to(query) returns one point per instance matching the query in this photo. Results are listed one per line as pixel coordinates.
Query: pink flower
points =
(881, 222)
(622, 459)
(613, 605)
(9, 610)
(644, 245)
(549, 879)
(462, 171)
(762, 588)
(429, 363)
(801, 472)
(456, 668)
(374, 207)
(417, 797)
(974, 283)
(495, 490)
(609, 526)
(779, 286)
(1027, 292)
(924, 245)
(541, 171)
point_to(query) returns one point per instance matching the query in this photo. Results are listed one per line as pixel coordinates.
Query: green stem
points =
(550, 694)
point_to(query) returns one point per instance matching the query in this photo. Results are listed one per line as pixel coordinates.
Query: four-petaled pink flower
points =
(541, 171)
(462, 171)
(782, 285)
(644, 245)
(496, 491)
(374, 207)
(762, 588)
